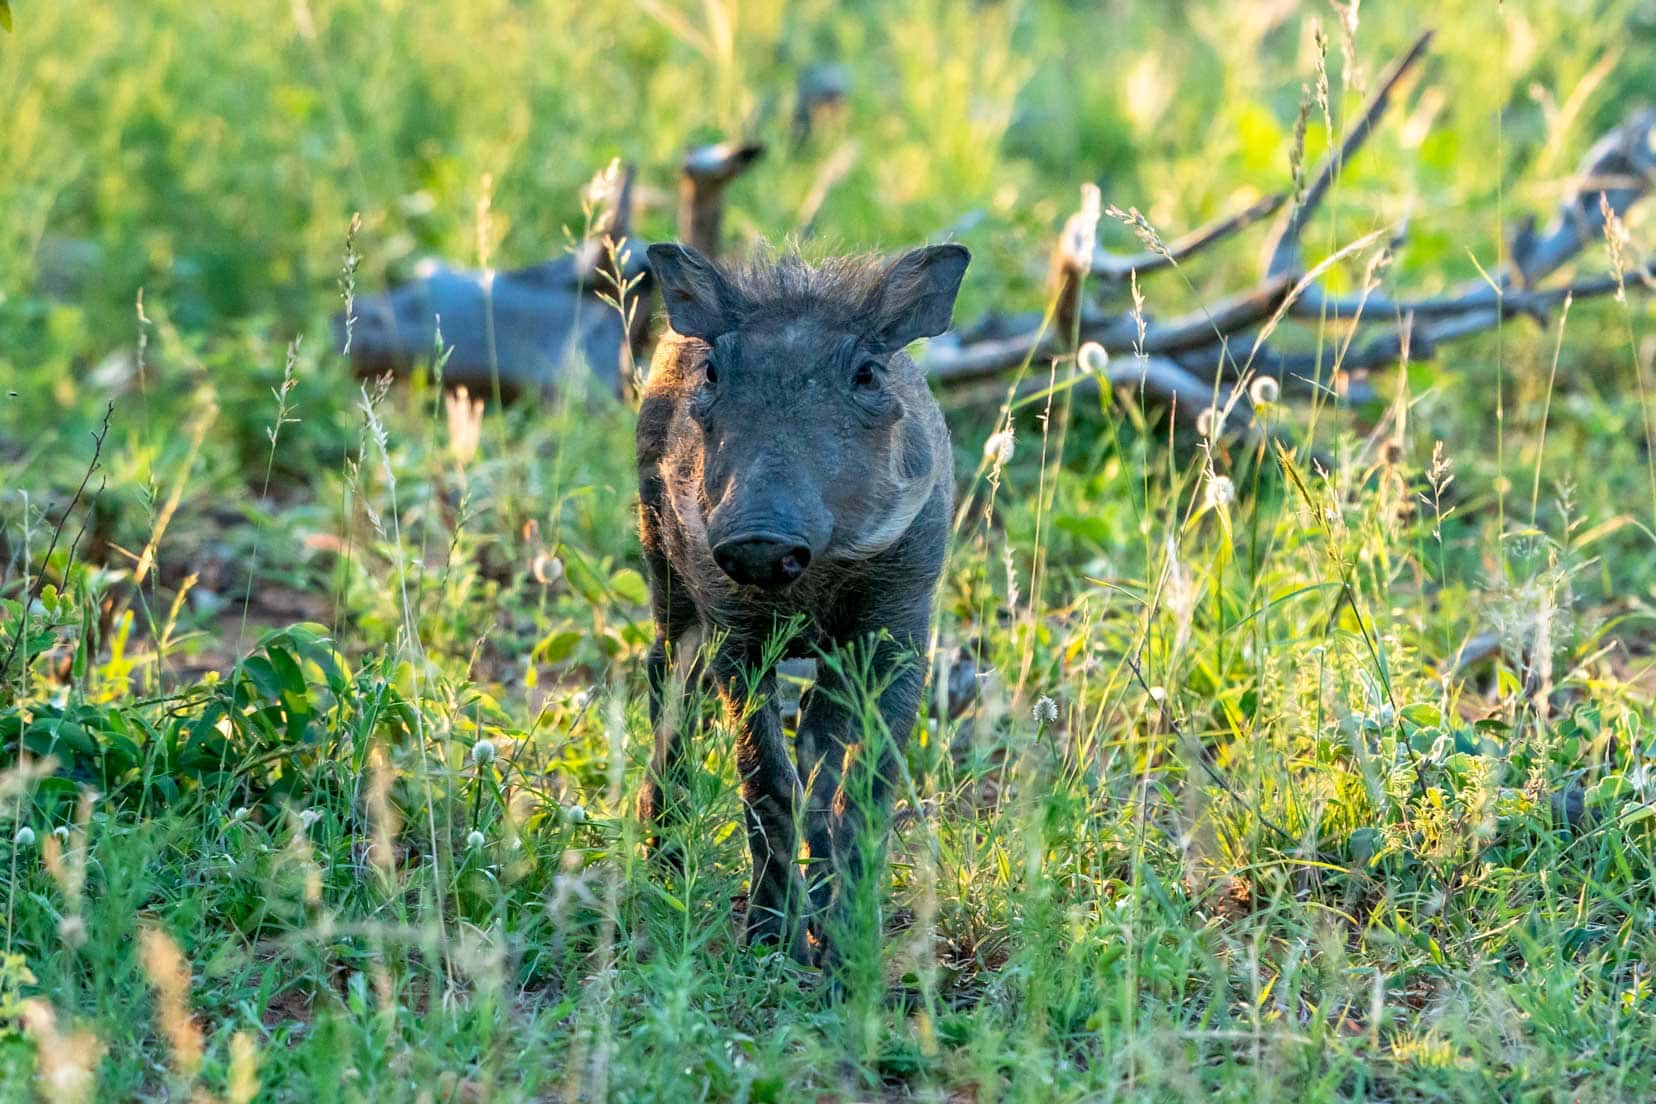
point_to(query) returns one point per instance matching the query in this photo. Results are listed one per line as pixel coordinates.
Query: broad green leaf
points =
(1423, 714)
(629, 586)
(557, 646)
(582, 576)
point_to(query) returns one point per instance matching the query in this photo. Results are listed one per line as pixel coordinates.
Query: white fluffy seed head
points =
(547, 569)
(1264, 390)
(1220, 491)
(25, 836)
(1093, 358)
(483, 752)
(72, 931)
(999, 447)
(574, 814)
(1046, 711)
(474, 840)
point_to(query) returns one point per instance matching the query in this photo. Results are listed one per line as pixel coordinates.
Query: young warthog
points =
(795, 490)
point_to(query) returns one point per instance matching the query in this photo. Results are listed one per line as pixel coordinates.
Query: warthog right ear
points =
(917, 294)
(700, 302)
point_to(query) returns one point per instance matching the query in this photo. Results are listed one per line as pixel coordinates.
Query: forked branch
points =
(1235, 337)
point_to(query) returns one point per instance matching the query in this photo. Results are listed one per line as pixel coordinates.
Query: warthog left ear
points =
(700, 301)
(917, 295)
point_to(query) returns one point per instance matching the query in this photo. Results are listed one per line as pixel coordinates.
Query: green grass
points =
(1273, 847)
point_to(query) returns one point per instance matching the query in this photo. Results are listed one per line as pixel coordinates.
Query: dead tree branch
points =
(1284, 252)
(1117, 268)
(1234, 338)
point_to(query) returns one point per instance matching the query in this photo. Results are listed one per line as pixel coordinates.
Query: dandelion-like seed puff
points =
(1264, 390)
(1092, 359)
(1220, 492)
(999, 447)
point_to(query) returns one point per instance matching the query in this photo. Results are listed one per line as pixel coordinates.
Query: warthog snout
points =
(762, 560)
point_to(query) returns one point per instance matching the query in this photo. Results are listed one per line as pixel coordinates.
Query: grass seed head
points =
(999, 447)
(169, 977)
(243, 1079)
(66, 1063)
(465, 425)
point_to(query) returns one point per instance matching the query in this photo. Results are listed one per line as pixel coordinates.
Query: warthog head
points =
(819, 440)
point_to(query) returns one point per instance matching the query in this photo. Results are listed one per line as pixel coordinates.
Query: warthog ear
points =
(917, 295)
(700, 303)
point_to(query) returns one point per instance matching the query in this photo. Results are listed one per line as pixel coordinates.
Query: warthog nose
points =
(762, 561)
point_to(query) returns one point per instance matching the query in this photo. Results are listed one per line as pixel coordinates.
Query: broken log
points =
(523, 332)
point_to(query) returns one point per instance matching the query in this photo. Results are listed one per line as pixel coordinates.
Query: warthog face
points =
(818, 439)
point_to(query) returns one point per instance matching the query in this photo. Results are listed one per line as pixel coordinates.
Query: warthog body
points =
(796, 488)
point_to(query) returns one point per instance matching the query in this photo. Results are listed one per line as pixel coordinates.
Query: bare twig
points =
(1283, 254)
(1621, 167)
(1616, 173)
(707, 171)
(1423, 324)
(1115, 268)
(1072, 260)
(1199, 328)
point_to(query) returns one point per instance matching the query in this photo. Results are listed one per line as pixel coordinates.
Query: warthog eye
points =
(866, 377)
(710, 370)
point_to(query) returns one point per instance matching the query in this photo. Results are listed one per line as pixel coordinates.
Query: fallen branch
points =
(531, 331)
(1232, 337)
(1118, 268)
(1198, 329)
(1284, 252)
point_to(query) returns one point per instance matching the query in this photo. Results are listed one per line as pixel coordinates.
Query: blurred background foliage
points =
(213, 154)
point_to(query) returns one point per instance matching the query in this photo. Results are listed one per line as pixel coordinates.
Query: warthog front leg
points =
(851, 758)
(824, 733)
(771, 798)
